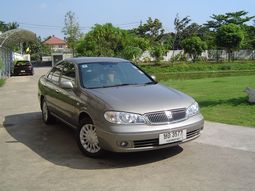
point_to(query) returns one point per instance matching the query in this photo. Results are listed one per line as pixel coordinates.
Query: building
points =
(59, 50)
(56, 44)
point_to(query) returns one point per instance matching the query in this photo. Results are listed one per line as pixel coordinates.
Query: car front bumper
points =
(145, 137)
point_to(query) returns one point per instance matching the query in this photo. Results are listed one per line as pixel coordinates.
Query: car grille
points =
(161, 116)
(155, 142)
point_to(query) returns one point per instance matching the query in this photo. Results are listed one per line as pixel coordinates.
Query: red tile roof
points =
(54, 41)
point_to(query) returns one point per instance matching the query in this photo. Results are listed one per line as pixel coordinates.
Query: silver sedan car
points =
(115, 106)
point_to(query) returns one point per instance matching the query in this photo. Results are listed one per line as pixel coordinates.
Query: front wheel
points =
(87, 140)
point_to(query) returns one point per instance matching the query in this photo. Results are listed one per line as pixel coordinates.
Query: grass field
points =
(2, 82)
(221, 99)
(199, 67)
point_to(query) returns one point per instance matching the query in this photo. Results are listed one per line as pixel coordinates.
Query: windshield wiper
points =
(149, 83)
(116, 85)
(124, 84)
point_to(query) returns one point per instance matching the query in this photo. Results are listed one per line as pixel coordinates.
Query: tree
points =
(102, 40)
(107, 40)
(180, 25)
(249, 37)
(131, 53)
(152, 30)
(238, 18)
(12, 25)
(229, 37)
(192, 29)
(37, 49)
(2, 26)
(8, 26)
(135, 41)
(71, 30)
(194, 46)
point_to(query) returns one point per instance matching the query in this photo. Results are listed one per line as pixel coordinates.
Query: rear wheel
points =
(46, 115)
(87, 139)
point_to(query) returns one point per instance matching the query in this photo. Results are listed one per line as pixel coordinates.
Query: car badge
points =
(169, 114)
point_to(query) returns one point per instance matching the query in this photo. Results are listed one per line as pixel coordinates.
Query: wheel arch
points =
(84, 116)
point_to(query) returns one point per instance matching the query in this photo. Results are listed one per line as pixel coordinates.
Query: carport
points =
(8, 40)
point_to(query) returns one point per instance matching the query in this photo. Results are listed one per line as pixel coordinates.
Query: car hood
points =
(141, 99)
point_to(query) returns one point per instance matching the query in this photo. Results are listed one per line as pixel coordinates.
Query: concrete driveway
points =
(34, 156)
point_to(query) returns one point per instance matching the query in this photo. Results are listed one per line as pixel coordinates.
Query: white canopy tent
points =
(7, 41)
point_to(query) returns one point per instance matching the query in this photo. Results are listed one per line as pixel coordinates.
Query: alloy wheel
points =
(89, 139)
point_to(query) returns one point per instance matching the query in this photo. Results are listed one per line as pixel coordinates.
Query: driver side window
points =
(54, 75)
(68, 72)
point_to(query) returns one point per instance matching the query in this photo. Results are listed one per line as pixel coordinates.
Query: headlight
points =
(193, 109)
(123, 117)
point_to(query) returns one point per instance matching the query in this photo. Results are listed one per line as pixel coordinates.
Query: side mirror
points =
(66, 85)
(154, 78)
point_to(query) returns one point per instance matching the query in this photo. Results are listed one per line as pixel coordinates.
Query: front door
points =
(67, 97)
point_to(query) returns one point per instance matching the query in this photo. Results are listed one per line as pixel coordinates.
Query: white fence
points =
(6, 61)
(207, 55)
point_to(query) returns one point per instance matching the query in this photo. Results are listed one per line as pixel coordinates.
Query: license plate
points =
(172, 136)
(22, 71)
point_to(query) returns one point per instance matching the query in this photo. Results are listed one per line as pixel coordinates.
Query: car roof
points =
(80, 60)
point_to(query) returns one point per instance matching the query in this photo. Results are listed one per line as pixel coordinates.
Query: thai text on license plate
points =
(172, 136)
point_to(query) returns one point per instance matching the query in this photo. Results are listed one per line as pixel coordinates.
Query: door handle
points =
(57, 90)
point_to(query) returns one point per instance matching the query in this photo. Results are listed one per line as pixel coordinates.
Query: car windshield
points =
(112, 74)
(19, 63)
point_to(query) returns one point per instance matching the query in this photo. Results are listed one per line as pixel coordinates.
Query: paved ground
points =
(34, 156)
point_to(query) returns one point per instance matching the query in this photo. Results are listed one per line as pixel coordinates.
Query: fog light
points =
(123, 143)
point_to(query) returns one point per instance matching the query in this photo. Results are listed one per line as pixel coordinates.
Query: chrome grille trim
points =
(161, 118)
(158, 117)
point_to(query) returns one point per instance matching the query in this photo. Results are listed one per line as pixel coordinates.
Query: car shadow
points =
(56, 144)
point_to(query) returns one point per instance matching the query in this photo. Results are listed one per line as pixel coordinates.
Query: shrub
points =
(131, 53)
(179, 57)
(2, 81)
(158, 51)
(194, 46)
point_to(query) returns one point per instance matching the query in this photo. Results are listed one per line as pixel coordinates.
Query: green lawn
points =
(221, 99)
(199, 67)
(2, 82)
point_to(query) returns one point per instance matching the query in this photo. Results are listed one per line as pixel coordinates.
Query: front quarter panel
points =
(91, 105)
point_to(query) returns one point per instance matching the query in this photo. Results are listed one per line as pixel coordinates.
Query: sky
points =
(46, 17)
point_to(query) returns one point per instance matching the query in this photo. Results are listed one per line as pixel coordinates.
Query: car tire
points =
(46, 115)
(87, 139)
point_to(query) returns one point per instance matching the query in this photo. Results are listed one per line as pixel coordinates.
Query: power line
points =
(127, 24)
(39, 25)
(32, 25)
